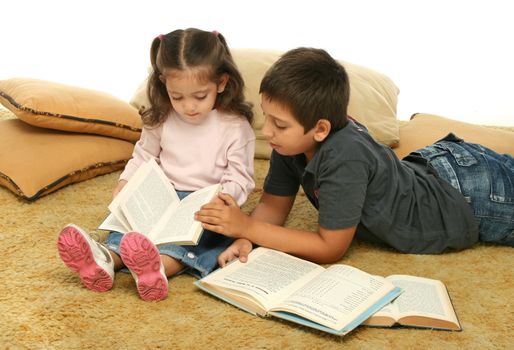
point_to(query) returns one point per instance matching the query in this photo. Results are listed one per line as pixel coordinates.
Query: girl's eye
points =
(176, 98)
(201, 97)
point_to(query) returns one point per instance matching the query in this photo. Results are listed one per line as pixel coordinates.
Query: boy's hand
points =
(239, 248)
(217, 200)
(118, 188)
(225, 218)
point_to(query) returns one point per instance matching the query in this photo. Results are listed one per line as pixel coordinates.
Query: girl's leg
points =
(112, 242)
(118, 263)
(171, 265)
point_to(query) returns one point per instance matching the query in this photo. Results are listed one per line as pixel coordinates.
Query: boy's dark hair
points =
(190, 48)
(311, 84)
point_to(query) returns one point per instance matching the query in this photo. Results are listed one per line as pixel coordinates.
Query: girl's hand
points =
(239, 248)
(223, 217)
(118, 188)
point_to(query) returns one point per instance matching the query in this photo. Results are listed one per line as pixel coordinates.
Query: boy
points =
(422, 204)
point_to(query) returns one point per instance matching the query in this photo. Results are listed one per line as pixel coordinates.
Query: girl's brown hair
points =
(191, 48)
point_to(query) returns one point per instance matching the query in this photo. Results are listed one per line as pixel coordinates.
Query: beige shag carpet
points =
(44, 306)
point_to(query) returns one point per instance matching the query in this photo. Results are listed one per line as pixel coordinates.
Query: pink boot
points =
(143, 260)
(90, 259)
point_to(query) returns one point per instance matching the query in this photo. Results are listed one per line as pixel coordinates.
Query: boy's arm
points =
(276, 214)
(273, 209)
(264, 227)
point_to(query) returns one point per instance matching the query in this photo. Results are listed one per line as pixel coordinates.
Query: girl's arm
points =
(148, 146)
(118, 188)
(264, 228)
(237, 179)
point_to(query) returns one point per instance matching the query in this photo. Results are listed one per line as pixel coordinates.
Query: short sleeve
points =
(282, 178)
(342, 193)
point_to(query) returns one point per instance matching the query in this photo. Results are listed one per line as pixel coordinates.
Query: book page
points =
(423, 297)
(385, 317)
(337, 296)
(267, 276)
(111, 223)
(180, 226)
(118, 215)
(149, 197)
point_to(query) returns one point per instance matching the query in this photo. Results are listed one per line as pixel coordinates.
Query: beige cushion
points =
(62, 107)
(424, 129)
(36, 161)
(373, 96)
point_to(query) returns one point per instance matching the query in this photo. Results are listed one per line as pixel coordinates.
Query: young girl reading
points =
(198, 129)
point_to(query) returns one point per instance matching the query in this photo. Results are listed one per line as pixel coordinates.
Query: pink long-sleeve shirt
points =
(219, 150)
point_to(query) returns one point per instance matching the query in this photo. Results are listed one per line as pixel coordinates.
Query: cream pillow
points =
(425, 129)
(62, 107)
(373, 97)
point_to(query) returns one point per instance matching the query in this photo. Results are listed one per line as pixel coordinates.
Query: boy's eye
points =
(202, 97)
(280, 126)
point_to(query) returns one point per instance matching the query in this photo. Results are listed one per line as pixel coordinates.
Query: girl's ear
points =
(322, 129)
(162, 79)
(222, 83)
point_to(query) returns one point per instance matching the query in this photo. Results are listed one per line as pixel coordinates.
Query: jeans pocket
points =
(463, 157)
(502, 179)
(447, 158)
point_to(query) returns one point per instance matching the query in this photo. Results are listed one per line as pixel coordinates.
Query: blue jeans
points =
(486, 180)
(198, 260)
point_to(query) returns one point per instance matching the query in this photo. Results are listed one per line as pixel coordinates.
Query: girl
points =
(198, 130)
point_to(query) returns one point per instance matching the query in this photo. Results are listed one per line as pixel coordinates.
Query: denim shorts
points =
(486, 180)
(198, 260)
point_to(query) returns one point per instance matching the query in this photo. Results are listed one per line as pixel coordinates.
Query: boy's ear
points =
(222, 83)
(322, 129)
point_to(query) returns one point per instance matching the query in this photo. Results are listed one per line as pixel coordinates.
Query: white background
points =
(451, 58)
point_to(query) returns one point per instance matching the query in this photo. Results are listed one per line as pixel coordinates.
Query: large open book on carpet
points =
(335, 299)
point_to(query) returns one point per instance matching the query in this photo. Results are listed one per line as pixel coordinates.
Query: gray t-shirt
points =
(353, 180)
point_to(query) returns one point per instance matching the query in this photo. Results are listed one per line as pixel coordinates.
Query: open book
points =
(424, 303)
(149, 204)
(271, 283)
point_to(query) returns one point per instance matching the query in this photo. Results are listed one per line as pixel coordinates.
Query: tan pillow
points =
(373, 96)
(36, 161)
(62, 107)
(424, 129)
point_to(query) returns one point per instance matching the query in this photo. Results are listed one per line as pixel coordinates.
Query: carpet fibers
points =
(43, 305)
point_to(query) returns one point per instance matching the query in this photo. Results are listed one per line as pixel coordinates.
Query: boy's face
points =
(284, 133)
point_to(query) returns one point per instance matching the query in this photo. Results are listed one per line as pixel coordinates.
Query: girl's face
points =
(191, 97)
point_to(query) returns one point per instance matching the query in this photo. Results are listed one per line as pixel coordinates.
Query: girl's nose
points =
(190, 107)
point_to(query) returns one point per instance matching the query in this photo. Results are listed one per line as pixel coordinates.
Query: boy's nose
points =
(266, 130)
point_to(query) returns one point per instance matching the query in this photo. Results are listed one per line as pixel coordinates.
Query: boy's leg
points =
(485, 178)
(90, 259)
(143, 260)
